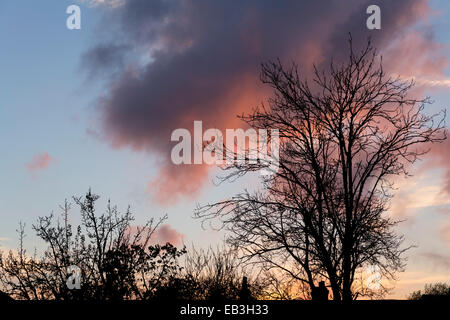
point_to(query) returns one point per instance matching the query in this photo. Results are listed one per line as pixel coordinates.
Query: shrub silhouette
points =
(211, 274)
(115, 262)
(436, 290)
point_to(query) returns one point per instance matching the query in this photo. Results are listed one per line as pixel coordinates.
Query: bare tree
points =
(278, 285)
(218, 274)
(117, 260)
(343, 139)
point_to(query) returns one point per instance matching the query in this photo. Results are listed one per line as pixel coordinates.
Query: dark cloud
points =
(199, 60)
(104, 59)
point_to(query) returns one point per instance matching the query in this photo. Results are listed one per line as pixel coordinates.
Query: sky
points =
(95, 107)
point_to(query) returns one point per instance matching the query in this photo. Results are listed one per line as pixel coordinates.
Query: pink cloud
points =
(39, 162)
(163, 234)
(174, 181)
(166, 233)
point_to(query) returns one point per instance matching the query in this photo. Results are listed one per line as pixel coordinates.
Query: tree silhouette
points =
(116, 261)
(436, 290)
(343, 138)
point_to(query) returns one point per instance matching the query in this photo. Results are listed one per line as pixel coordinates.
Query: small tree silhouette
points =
(115, 262)
(217, 274)
(436, 290)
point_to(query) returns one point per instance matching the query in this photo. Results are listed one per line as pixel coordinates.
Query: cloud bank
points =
(173, 62)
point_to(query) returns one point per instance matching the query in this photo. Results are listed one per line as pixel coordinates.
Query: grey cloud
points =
(199, 60)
